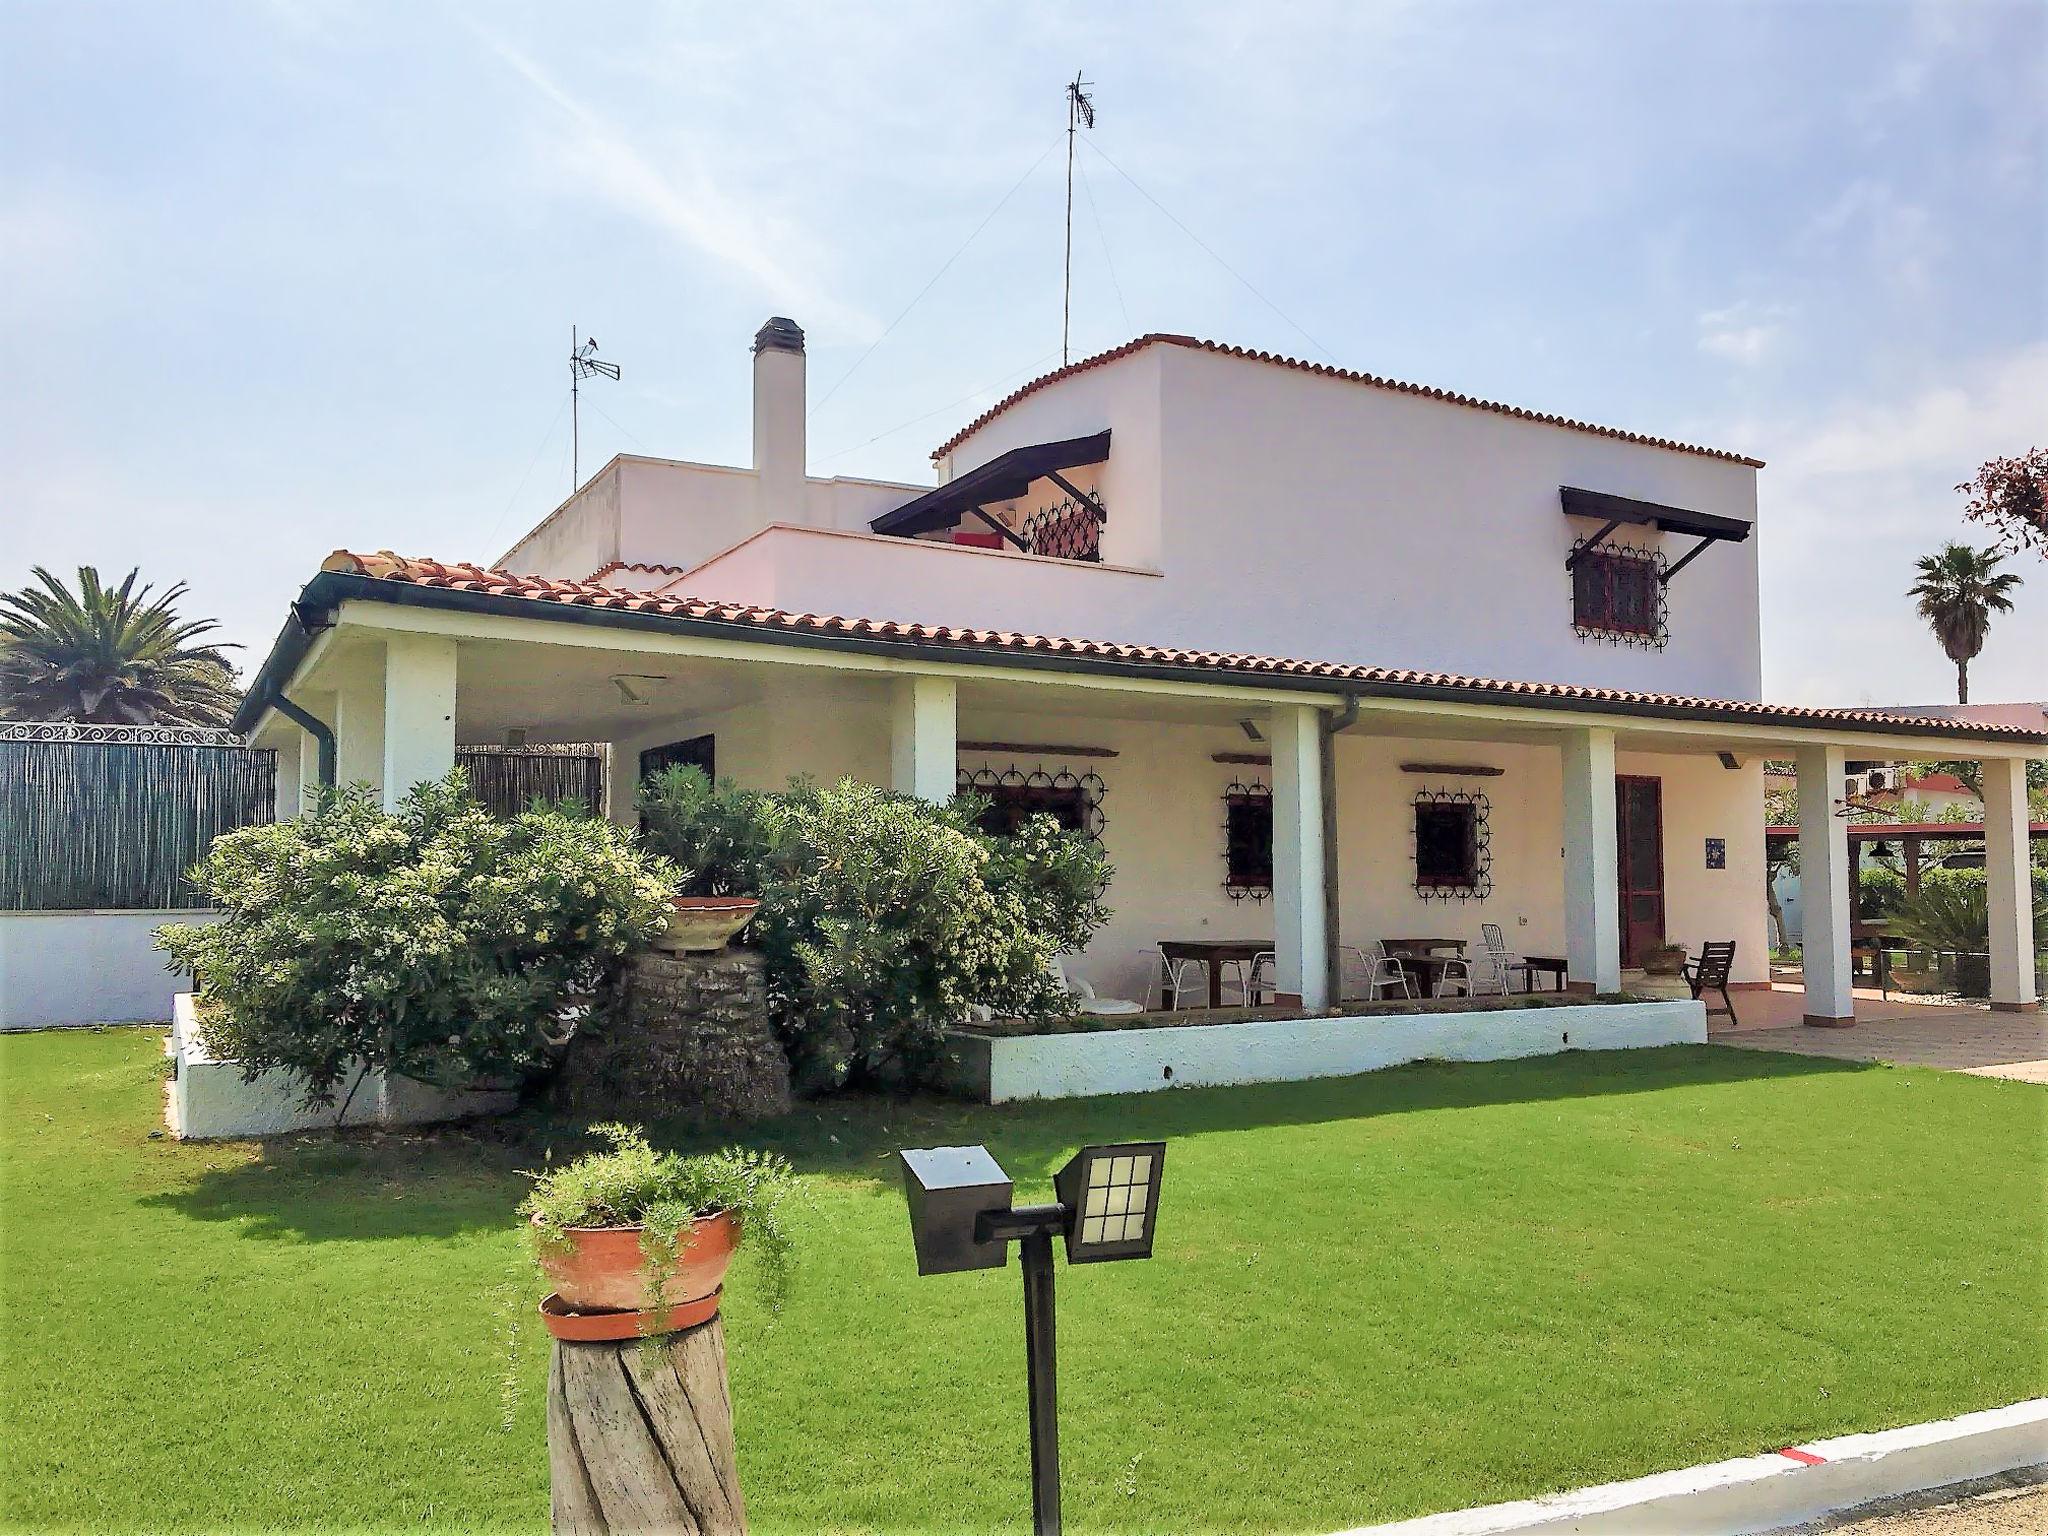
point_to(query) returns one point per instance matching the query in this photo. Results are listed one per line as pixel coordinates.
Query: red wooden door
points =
(1639, 848)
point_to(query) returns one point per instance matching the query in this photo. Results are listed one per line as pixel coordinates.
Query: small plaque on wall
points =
(1717, 853)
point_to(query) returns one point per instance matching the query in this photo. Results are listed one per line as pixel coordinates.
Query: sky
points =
(281, 277)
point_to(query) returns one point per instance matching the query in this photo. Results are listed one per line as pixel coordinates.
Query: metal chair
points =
(1709, 973)
(1185, 982)
(1380, 969)
(1450, 968)
(1496, 965)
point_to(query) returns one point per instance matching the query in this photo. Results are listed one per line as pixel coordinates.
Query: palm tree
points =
(1958, 591)
(108, 657)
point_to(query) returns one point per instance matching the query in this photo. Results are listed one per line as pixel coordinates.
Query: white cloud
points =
(686, 202)
(1742, 333)
(1899, 238)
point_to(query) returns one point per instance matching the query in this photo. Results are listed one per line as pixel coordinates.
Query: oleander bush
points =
(433, 942)
(883, 918)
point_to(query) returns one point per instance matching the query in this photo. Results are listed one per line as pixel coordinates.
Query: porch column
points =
(359, 725)
(1299, 914)
(2009, 885)
(419, 712)
(1592, 875)
(1824, 891)
(924, 737)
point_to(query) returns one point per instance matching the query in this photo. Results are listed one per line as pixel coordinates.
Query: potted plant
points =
(1665, 960)
(639, 1240)
(699, 924)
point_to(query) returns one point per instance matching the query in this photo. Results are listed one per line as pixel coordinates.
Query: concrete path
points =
(1958, 1037)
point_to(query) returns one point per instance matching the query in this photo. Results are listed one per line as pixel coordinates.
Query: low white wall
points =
(1291, 1050)
(87, 968)
(208, 1098)
(1767, 1493)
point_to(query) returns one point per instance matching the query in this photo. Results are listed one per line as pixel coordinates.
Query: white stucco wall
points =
(1284, 513)
(672, 512)
(87, 968)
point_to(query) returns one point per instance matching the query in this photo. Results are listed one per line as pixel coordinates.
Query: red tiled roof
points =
(386, 566)
(1939, 783)
(1165, 338)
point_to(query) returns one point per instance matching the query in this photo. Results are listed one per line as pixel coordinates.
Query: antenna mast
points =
(584, 363)
(1081, 110)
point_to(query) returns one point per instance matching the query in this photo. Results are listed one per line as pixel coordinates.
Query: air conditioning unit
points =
(1879, 779)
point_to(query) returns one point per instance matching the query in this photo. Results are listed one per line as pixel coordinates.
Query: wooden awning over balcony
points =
(1003, 478)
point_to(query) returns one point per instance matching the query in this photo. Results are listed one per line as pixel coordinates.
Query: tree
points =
(1958, 591)
(2011, 497)
(105, 656)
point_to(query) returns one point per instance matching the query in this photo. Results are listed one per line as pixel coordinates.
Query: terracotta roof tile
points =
(387, 566)
(1164, 338)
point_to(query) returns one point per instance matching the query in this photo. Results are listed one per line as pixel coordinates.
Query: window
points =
(1616, 591)
(1011, 805)
(1453, 853)
(1248, 841)
(697, 752)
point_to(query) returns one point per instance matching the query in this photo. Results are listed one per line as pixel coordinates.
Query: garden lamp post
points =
(961, 1217)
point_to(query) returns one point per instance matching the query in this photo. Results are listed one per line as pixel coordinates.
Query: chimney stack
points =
(779, 450)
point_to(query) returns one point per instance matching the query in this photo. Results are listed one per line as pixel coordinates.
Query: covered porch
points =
(1310, 809)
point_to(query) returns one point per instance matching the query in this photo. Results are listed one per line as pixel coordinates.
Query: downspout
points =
(321, 732)
(1333, 725)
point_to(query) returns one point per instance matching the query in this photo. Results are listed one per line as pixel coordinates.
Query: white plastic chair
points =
(1260, 977)
(1086, 999)
(1494, 964)
(1186, 981)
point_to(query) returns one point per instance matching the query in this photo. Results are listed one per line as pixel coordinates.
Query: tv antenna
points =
(584, 363)
(1080, 113)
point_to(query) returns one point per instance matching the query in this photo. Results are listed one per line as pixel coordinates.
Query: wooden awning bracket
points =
(1000, 527)
(1572, 560)
(1073, 490)
(1683, 561)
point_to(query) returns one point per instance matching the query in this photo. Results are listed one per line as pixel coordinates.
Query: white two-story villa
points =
(1319, 657)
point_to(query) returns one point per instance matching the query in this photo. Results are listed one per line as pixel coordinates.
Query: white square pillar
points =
(1825, 897)
(1592, 875)
(1299, 913)
(924, 737)
(2009, 886)
(359, 723)
(419, 712)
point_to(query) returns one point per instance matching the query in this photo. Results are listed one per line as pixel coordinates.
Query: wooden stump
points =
(640, 1443)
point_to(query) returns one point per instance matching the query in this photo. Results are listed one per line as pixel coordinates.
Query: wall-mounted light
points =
(1250, 727)
(962, 1217)
(636, 688)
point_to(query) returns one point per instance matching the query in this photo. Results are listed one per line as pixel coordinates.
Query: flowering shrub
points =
(433, 942)
(883, 918)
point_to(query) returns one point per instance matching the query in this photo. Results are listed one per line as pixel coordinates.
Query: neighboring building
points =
(1316, 655)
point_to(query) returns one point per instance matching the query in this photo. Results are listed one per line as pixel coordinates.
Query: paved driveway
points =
(1954, 1036)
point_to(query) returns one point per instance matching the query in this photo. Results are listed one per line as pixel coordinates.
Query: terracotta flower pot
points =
(702, 923)
(604, 1269)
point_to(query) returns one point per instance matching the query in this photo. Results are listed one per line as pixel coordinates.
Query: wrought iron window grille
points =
(1087, 787)
(1248, 841)
(1069, 529)
(1477, 811)
(1591, 563)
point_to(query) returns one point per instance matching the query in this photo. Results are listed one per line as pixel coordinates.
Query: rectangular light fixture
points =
(1113, 1195)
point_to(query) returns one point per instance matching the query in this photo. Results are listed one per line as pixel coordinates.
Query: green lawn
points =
(1372, 1298)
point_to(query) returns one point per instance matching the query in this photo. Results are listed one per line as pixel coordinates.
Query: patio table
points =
(1215, 954)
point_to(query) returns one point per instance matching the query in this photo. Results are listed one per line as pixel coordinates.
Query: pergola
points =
(1909, 835)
